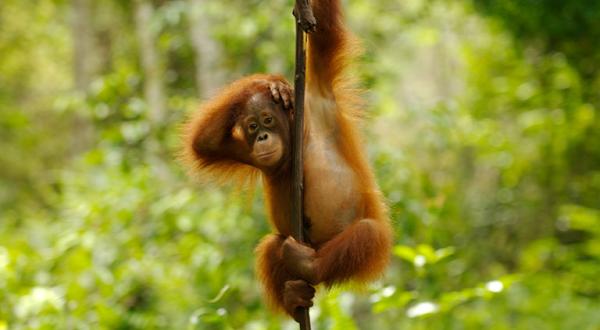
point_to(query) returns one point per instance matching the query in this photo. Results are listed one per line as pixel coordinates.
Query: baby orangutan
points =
(246, 127)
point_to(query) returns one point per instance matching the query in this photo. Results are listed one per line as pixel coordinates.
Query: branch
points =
(304, 16)
(305, 21)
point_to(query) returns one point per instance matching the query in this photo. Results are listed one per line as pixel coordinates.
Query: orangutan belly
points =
(331, 201)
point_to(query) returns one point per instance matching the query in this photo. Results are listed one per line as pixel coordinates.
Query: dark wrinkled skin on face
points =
(266, 129)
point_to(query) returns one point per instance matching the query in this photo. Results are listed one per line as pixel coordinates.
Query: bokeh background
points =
(483, 128)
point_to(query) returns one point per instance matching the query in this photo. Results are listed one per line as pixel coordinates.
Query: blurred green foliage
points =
(482, 127)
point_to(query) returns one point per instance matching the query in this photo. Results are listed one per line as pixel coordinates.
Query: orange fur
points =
(271, 270)
(213, 122)
(348, 225)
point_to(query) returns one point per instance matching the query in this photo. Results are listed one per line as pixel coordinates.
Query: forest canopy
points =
(482, 125)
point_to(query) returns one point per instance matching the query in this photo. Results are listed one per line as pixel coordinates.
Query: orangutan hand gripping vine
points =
(247, 128)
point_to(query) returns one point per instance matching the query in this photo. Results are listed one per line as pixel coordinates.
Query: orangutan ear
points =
(237, 133)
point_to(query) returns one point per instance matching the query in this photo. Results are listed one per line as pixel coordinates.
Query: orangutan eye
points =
(268, 120)
(253, 127)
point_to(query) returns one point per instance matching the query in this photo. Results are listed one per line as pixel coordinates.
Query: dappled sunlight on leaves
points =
(482, 129)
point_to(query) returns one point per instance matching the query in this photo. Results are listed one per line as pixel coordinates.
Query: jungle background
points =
(482, 126)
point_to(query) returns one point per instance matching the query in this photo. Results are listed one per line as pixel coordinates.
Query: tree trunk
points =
(208, 75)
(151, 66)
(85, 67)
(154, 92)
(83, 44)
